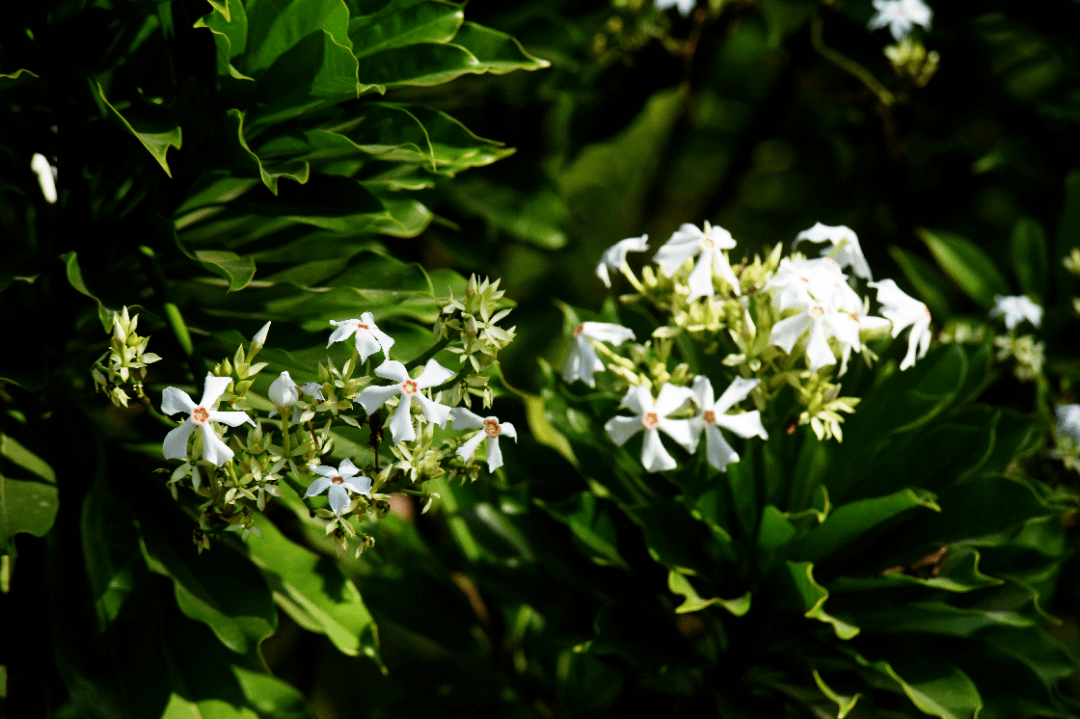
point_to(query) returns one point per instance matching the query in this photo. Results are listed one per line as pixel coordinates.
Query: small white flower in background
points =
(339, 480)
(849, 254)
(904, 311)
(462, 418)
(260, 337)
(283, 392)
(719, 452)
(822, 320)
(899, 16)
(615, 256)
(582, 361)
(685, 6)
(1016, 309)
(652, 417)
(401, 424)
(313, 390)
(803, 283)
(369, 338)
(1068, 421)
(46, 175)
(688, 241)
(174, 401)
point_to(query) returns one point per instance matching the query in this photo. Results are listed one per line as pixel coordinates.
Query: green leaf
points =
(591, 525)
(844, 704)
(957, 572)
(230, 28)
(26, 505)
(498, 52)
(399, 25)
(153, 126)
(968, 265)
(419, 65)
(774, 533)
(935, 686)
(925, 278)
(275, 28)
(314, 592)
(15, 75)
(75, 278)
(332, 203)
(679, 584)
(219, 588)
(847, 523)
(270, 173)
(804, 593)
(1030, 257)
(238, 270)
(938, 618)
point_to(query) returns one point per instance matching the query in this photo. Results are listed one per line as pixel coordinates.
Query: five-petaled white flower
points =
(582, 361)
(615, 256)
(688, 241)
(1016, 309)
(845, 248)
(1068, 421)
(685, 6)
(652, 417)
(462, 418)
(200, 415)
(401, 424)
(369, 338)
(748, 424)
(339, 480)
(899, 16)
(904, 311)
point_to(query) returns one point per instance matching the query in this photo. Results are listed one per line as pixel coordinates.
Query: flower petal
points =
(435, 412)
(175, 444)
(325, 469)
(700, 280)
(343, 332)
(671, 398)
(680, 431)
(392, 370)
(638, 400)
(737, 391)
(213, 388)
(339, 498)
(494, 454)
(508, 431)
(787, 332)
(653, 455)
(621, 429)
(401, 424)
(233, 419)
(717, 450)
(360, 485)
(817, 348)
(318, 486)
(347, 468)
(703, 392)
(366, 344)
(174, 401)
(214, 450)
(747, 424)
(371, 398)
(467, 450)
(462, 418)
(433, 375)
(385, 341)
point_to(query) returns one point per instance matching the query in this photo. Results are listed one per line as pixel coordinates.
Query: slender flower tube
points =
(401, 424)
(338, 480)
(201, 415)
(748, 424)
(652, 418)
(462, 418)
(369, 338)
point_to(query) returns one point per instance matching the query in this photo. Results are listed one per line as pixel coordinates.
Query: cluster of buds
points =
(774, 324)
(125, 362)
(277, 452)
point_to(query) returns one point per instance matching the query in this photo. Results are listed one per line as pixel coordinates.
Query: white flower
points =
(688, 241)
(748, 424)
(462, 418)
(582, 361)
(339, 481)
(1016, 309)
(822, 321)
(685, 6)
(900, 15)
(200, 415)
(803, 283)
(904, 311)
(369, 338)
(401, 424)
(283, 391)
(1068, 421)
(845, 243)
(313, 390)
(652, 417)
(260, 337)
(615, 256)
(46, 174)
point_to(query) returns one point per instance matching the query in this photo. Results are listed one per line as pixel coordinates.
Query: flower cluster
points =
(1027, 353)
(290, 443)
(782, 330)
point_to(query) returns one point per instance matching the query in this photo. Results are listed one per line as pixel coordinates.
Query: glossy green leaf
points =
(238, 270)
(220, 588)
(679, 584)
(847, 523)
(26, 505)
(332, 203)
(75, 278)
(314, 592)
(804, 593)
(110, 543)
(592, 527)
(401, 24)
(275, 28)
(844, 704)
(1030, 256)
(968, 265)
(498, 52)
(152, 126)
(937, 687)
(957, 572)
(421, 65)
(938, 618)
(270, 173)
(229, 24)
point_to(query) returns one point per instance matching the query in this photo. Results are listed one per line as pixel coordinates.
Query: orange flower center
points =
(337, 480)
(362, 326)
(409, 387)
(709, 416)
(650, 420)
(199, 415)
(492, 428)
(578, 329)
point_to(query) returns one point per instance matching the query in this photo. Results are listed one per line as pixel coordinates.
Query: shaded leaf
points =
(26, 505)
(1030, 258)
(804, 593)
(152, 126)
(679, 584)
(270, 173)
(238, 270)
(591, 525)
(968, 265)
(399, 25)
(498, 52)
(75, 278)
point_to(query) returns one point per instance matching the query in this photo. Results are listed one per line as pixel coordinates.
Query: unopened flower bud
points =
(260, 337)
(283, 391)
